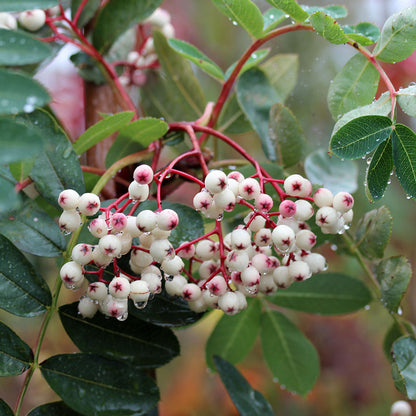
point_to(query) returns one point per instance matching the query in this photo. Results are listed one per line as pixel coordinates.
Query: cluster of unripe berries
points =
(160, 20)
(31, 20)
(269, 250)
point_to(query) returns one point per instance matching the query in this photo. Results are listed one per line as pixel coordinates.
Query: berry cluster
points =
(267, 251)
(31, 20)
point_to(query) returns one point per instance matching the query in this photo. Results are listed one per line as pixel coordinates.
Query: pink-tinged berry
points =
(143, 174)
(69, 221)
(263, 237)
(119, 287)
(188, 251)
(267, 284)
(98, 227)
(7, 21)
(229, 303)
(175, 286)
(101, 259)
(282, 278)
(146, 220)
(236, 175)
(32, 20)
(250, 276)
(256, 223)
(305, 240)
(153, 281)
(343, 202)
(217, 285)
(206, 250)
(237, 260)
(140, 258)
(297, 185)
(118, 221)
(260, 262)
(283, 237)
(89, 204)
(82, 253)
(191, 292)
(249, 189)
(167, 219)
(207, 268)
(240, 239)
(264, 203)
(287, 208)
(323, 197)
(299, 270)
(118, 308)
(216, 181)
(326, 217)
(137, 192)
(161, 250)
(172, 266)
(202, 201)
(97, 291)
(210, 300)
(225, 200)
(71, 274)
(139, 291)
(401, 408)
(304, 210)
(68, 199)
(87, 307)
(110, 245)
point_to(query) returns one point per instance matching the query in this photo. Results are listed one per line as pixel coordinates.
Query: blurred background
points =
(355, 377)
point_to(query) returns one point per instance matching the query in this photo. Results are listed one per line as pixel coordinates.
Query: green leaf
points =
(19, 48)
(15, 355)
(87, 68)
(135, 136)
(20, 93)
(335, 11)
(337, 175)
(30, 143)
(175, 95)
(22, 291)
(5, 409)
(272, 18)
(233, 337)
(282, 72)
(21, 170)
(166, 310)
(244, 13)
(117, 388)
(291, 8)
(135, 341)
(286, 132)
(22, 5)
(324, 294)
(53, 409)
(33, 231)
(404, 359)
(197, 57)
(364, 33)
(116, 17)
(232, 119)
(249, 402)
(396, 331)
(406, 97)
(379, 171)
(379, 107)
(398, 36)
(328, 28)
(58, 167)
(404, 158)
(255, 58)
(88, 12)
(393, 274)
(355, 85)
(9, 199)
(256, 96)
(290, 356)
(99, 131)
(373, 232)
(360, 136)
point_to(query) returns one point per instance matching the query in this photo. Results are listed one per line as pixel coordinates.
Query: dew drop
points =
(67, 152)
(334, 247)
(367, 307)
(234, 23)
(140, 305)
(408, 197)
(123, 317)
(275, 380)
(412, 84)
(400, 311)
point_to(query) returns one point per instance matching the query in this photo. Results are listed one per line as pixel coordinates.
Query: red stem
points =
(78, 12)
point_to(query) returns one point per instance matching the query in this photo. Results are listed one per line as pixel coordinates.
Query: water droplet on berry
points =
(140, 305)
(123, 317)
